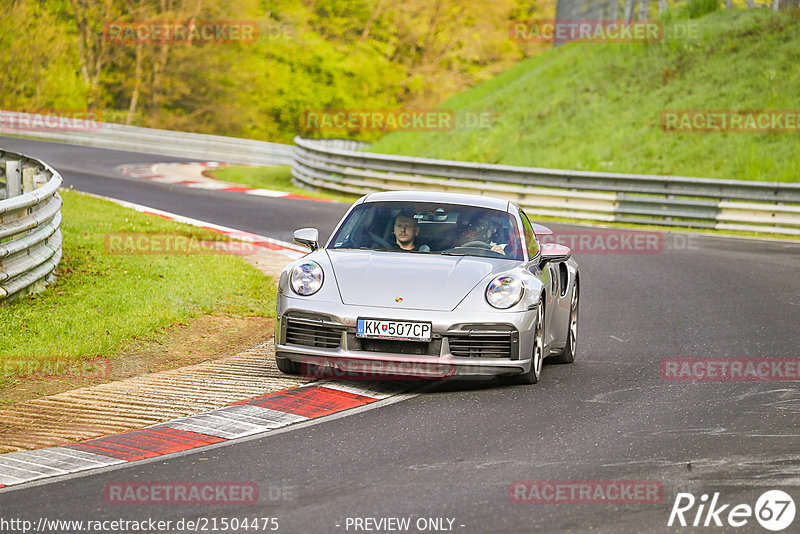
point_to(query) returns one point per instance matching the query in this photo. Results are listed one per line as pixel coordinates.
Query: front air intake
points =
(312, 333)
(481, 345)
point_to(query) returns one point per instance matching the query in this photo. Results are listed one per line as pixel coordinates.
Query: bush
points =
(697, 8)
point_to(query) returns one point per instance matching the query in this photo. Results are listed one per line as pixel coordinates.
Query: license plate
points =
(401, 330)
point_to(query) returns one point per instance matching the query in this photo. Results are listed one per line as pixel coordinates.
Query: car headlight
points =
(504, 291)
(306, 278)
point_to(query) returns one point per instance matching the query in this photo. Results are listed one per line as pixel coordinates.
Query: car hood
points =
(409, 281)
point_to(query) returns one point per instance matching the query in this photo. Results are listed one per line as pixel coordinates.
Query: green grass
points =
(276, 178)
(101, 302)
(591, 106)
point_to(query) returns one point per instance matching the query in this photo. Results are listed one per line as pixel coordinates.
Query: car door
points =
(544, 275)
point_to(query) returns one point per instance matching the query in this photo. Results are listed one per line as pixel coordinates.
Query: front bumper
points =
(322, 334)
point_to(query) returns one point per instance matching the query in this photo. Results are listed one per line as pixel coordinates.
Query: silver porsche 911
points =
(428, 285)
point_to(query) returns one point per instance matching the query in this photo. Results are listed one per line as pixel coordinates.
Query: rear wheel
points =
(287, 366)
(568, 356)
(532, 376)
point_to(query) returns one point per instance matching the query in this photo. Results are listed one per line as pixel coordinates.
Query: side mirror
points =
(308, 237)
(554, 252)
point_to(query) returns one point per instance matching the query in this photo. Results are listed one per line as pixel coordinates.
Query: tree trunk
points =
(137, 85)
(137, 75)
(185, 11)
(644, 9)
(91, 47)
(630, 5)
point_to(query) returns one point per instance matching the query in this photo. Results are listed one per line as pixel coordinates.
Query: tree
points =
(90, 17)
(39, 74)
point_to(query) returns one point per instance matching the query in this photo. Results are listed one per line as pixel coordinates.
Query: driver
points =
(477, 228)
(406, 229)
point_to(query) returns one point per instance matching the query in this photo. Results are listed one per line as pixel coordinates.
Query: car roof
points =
(437, 196)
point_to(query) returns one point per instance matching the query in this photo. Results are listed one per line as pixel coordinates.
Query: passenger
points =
(406, 229)
(477, 231)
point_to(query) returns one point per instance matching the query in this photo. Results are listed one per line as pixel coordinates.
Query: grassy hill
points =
(591, 106)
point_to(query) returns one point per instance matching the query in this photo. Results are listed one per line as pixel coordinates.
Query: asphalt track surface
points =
(453, 449)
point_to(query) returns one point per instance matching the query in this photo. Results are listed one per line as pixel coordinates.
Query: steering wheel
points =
(476, 244)
(380, 240)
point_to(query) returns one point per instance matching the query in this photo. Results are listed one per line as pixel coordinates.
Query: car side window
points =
(530, 237)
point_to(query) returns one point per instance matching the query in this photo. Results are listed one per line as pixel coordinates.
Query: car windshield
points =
(430, 228)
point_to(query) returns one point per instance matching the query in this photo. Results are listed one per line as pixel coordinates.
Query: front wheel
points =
(568, 356)
(287, 366)
(532, 376)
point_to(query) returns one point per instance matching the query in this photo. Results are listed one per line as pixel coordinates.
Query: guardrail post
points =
(27, 179)
(13, 178)
(39, 179)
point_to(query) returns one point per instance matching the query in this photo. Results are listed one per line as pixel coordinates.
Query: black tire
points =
(287, 366)
(532, 376)
(568, 355)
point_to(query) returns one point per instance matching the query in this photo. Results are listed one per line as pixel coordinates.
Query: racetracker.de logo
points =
(730, 369)
(381, 120)
(173, 244)
(585, 492)
(344, 369)
(50, 120)
(180, 32)
(181, 493)
(586, 31)
(730, 121)
(19, 367)
(612, 241)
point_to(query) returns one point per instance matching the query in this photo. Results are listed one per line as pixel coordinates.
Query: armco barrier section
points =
(133, 138)
(772, 207)
(30, 219)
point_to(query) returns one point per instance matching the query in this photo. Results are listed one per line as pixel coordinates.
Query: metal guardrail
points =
(772, 207)
(133, 138)
(30, 219)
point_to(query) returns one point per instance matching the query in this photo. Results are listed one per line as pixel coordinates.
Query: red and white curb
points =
(282, 247)
(246, 418)
(191, 175)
